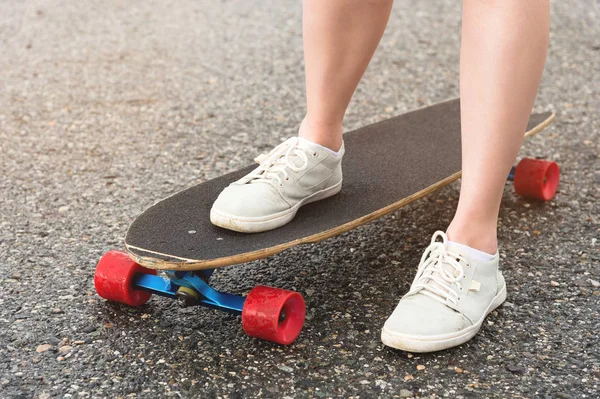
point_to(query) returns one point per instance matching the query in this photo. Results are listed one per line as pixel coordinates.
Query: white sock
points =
(329, 150)
(471, 253)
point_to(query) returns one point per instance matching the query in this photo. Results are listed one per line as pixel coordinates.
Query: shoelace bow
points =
(439, 272)
(276, 163)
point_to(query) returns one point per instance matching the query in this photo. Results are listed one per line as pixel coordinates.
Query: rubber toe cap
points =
(252, 200)
(422, 316)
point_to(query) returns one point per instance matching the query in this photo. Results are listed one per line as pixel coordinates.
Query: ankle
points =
(327, 135)
(480, 237)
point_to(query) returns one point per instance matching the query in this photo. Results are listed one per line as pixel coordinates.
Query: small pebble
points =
(287, 369)
(89, 329)
(516, 369)
(43, 348)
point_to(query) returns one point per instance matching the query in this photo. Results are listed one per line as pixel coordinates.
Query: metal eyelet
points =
(315, 154)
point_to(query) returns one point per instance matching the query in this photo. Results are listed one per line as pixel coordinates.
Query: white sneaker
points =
(449, 298)
(293, 174)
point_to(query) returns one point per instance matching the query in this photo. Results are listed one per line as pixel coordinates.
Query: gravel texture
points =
(106, 107)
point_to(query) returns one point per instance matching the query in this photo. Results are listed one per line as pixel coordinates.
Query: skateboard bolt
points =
(186, 296)
(282, 317)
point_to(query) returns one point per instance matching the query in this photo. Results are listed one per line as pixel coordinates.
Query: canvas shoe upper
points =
(448, 300)
(294, 173)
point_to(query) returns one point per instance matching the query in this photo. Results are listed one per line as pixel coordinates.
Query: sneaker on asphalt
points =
(449, 298)
(293, 174)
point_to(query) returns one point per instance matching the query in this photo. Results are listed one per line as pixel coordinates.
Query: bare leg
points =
(504, 45)
(340, 37)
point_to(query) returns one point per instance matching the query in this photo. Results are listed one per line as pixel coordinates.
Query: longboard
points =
(387, 165)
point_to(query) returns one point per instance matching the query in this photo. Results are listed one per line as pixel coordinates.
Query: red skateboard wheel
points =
(536, 179)
(113, 279)
(273, 314)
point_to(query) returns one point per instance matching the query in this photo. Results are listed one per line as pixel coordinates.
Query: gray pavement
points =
(107, 106)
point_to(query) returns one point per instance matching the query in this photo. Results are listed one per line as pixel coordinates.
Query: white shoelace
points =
(275, 164)
(439, 272)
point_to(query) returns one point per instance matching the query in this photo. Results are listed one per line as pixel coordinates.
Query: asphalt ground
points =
(108, 106)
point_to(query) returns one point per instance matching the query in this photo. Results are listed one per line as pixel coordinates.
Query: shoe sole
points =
(417, 344)
(265, 223)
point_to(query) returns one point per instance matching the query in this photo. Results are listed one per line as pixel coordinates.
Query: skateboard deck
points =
(387, 165)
